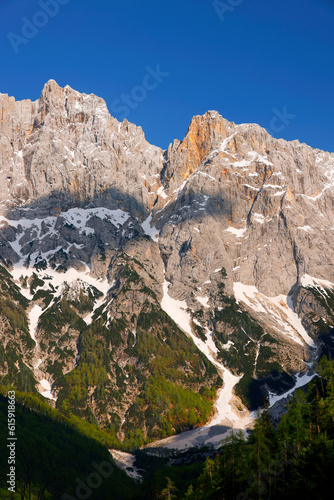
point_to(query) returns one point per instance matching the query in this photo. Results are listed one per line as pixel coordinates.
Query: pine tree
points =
(260, 460)
(190, 495)
(297, 420)
(168, 493)
(326, 404)
(232, 463)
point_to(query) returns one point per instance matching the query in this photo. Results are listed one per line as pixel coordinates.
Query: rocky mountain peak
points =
(68, 143)
(203, 134)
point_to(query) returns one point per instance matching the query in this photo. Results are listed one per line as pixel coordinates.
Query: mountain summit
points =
(148, 289)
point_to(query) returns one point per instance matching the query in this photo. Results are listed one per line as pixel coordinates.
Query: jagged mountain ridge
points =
(237, 223)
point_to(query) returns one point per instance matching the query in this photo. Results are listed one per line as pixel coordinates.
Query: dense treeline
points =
(166, 407)
(37, 404)
(291, 460)
(58, 458)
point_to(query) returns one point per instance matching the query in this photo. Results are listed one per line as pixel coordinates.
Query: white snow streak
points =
(301, 380)
(176, 309)
(33, 317)
(309, 281)
(239, 233)
(203, 300)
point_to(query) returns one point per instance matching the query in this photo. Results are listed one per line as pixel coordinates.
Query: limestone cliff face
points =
(228, 214)
(278, 195)
(67, 147)
(204, 133)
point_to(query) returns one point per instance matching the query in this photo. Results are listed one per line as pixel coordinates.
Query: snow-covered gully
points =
(225, 418)
(33, 318)
(126, 462)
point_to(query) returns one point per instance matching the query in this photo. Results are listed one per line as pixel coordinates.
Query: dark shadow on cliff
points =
(188, 206)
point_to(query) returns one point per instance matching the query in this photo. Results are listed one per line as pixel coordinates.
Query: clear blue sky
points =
(258, 56)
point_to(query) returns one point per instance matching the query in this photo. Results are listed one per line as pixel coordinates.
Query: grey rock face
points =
(280, 194)
(66, 149)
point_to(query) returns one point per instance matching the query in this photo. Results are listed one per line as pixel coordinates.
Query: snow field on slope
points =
(59, 279)
(301, 380)
(308, 281)
(126, 462)
(33, 317)
(149, 230)
(239, 233)
(47, 386)
(46, 227)
(280, 308)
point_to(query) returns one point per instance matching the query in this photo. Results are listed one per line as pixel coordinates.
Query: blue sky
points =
(251, 60)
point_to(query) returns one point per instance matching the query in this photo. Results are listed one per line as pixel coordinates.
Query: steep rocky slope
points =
(148, 279)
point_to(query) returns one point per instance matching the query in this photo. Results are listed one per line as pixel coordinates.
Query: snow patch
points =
(301, 380)
(47, 393)
(308, 281)
(125, 461)
(39, 362)
(259, 218)
(239, 233)
(33, 317)
(203, 300)
(89, 318)
(228, 345)
(161, 192)
(149, 230)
